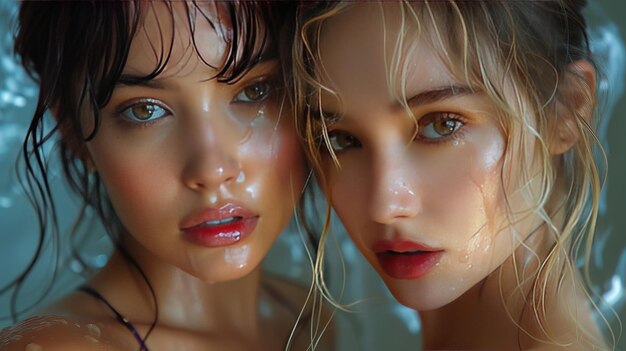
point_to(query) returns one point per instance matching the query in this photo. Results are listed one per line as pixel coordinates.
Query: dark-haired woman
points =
(173, 128)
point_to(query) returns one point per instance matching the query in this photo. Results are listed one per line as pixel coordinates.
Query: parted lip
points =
(214, 214)
(400, 246)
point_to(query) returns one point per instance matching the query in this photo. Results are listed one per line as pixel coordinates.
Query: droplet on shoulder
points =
(33, 347)
(15, 337)
(91, 338)
(94, 330)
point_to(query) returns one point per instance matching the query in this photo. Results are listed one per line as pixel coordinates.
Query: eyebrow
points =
(423, 98)
(437, 94)
(135, 80)
(131, 80)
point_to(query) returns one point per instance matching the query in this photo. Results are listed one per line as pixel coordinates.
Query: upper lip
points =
(209, 214)
(401, 245)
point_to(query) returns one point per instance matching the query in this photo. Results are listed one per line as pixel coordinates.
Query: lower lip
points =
(221, 234)
(408, 265)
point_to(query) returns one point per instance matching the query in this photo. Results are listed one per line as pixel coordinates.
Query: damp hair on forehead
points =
(103, 32)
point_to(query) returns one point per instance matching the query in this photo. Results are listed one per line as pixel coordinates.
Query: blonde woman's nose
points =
(393, 194)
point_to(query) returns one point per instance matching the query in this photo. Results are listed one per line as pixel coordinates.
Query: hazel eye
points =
(341, 141)
(144, 111)
(438, 125)
(256, 92)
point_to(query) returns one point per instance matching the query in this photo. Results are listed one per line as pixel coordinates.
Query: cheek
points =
(130, 179)
(273, 163)
(272, 154)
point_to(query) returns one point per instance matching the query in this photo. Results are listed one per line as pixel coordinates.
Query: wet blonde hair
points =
(522, 56)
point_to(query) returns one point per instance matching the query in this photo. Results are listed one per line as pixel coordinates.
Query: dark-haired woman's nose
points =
(211, 159)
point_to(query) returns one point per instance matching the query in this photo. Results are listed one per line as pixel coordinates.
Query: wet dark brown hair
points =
(76, 52)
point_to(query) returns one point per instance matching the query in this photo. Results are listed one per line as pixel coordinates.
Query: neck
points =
(500, 306)
(184, 302)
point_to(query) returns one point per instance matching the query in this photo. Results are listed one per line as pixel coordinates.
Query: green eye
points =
(341, 141)
(144, 111)
(255, 92)
(439, 125)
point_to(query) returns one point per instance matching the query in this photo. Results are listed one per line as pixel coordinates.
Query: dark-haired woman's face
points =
(203, 175)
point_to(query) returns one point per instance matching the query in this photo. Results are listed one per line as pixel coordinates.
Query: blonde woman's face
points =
(204, 175)
(423, 201)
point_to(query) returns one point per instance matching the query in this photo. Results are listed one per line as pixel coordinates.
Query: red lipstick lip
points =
(403, 259)
(216, 227)
(400, 246)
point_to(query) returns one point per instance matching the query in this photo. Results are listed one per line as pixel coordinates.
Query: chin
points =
(418, 295)
(217, 271)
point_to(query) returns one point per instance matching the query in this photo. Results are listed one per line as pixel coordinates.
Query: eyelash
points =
(266, 81)
(430, 118)
(448, 116)
(142, 102)
(136, 122)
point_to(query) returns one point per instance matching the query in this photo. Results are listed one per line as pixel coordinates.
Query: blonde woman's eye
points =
(341, 141)
(144, 112)
(439, 125)
(255, 92)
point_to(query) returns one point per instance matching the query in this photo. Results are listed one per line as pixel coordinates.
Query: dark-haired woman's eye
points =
(341, 141)
(144, 111)
(255, 92)
(439, 125)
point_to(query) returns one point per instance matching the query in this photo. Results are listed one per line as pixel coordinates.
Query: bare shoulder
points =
(52, 332)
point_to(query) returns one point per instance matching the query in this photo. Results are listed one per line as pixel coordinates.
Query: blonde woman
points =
(454, 141)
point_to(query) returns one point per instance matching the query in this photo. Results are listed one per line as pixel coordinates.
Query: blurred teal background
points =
(378, 323)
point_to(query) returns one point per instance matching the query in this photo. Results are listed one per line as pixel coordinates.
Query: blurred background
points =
(377, 322)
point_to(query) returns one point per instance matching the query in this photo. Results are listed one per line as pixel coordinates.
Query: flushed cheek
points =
(273, 157)
(350, 195)
(130, 180)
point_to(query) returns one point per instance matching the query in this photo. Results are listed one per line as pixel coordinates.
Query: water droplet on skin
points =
(265, 309)
(240, 178)
(260, 114)
(469, 266)
(33, 347)
(77, 325)
(76, 266)
(61, 321)
(16, 337)
(93, 330)
(213, 198)
(91, 338)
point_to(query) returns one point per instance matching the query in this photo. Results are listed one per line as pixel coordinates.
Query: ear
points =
(577, 91)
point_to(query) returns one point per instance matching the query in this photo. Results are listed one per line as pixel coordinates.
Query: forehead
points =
(367, 46)
(179, 35)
